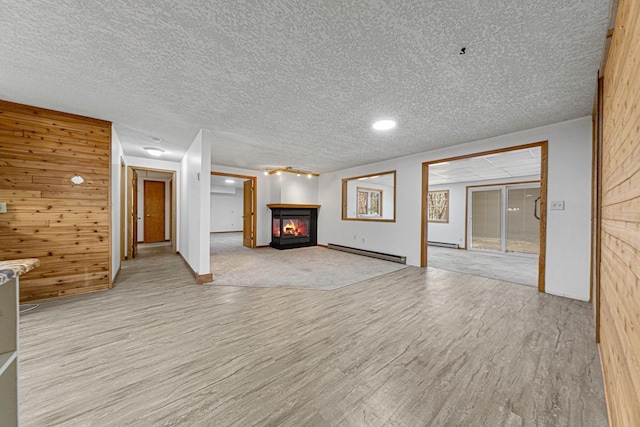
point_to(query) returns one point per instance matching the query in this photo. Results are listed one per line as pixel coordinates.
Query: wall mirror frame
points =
(369, 197)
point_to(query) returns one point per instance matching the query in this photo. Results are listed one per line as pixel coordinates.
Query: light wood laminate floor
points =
(410, 348)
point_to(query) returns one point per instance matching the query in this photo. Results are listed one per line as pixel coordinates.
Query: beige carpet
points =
(316, 268)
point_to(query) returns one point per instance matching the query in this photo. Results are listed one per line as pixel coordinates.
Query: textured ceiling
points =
(298, 83)
(507, 165)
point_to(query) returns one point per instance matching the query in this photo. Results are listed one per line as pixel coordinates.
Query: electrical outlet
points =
(557, 205)
(3, 207)
(363, 240)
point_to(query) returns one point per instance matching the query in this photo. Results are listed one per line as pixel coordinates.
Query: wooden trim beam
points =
(296, 171)
(291, 206)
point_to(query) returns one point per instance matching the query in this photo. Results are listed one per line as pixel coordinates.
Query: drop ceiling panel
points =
(508, 165)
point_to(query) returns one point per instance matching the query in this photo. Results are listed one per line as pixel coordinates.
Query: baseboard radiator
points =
(387, 257)
(444, 245)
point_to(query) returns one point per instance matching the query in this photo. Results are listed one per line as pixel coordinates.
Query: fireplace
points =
(293, 226)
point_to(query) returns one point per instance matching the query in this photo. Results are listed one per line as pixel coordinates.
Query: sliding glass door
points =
(486, 211)
(504, 218)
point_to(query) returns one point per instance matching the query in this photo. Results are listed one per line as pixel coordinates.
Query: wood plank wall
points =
(620, 221)
(66, 226)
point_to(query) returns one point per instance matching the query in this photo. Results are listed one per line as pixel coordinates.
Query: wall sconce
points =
(77, 179)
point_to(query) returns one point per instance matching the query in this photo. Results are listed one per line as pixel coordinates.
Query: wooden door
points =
(154, 211)
(247, 214)
(133, 229)
(123, 209)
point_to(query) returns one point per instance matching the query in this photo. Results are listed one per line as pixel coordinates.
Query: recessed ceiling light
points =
(229, 181)
(384, 124)
(154, 151)
(156, 139)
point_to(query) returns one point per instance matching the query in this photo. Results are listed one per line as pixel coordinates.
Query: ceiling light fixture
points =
(229, 181)
(309, 175)
(154, 151)
(384, 124)
(266, 172)
(278, 173)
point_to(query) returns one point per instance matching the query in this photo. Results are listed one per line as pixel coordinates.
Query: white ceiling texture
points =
(299, 83)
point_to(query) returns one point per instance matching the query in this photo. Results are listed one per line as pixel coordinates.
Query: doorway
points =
(494, 204)
(151, 207)
(233, 206)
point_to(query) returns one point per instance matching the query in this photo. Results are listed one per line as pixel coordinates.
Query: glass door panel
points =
(523, 224)
(486, 219)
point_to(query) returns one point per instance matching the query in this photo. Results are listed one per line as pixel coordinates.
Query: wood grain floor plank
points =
(413, 347)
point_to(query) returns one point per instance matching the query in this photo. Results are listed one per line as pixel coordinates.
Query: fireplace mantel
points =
(290, 206)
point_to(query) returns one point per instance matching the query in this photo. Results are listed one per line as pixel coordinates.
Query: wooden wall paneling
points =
(67, 226)
(619, 237)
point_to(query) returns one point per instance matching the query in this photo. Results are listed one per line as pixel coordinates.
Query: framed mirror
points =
(369, 197)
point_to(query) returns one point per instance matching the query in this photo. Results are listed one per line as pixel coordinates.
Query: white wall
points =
(116, 155)
(297, 189)
(226, 210)
(194, 206)
(263, 218)
(453, 231)
(568, 231)
(167, 206)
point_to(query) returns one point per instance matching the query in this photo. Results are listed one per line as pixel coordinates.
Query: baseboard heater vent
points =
(444, 245)
(387, 257)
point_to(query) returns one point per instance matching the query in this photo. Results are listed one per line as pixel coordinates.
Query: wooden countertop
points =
(13, 268)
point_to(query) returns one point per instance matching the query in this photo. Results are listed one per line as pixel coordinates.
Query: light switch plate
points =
(3, 207)
(557, 205)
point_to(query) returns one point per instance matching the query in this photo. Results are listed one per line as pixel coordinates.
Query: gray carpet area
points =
(316, 268)
(508, 268)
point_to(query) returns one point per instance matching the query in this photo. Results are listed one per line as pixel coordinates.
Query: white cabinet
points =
(9, 353)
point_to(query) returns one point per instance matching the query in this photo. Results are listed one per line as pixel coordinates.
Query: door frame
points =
(172, 211)
(254, 184)
(424, 238)
(123, 209)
